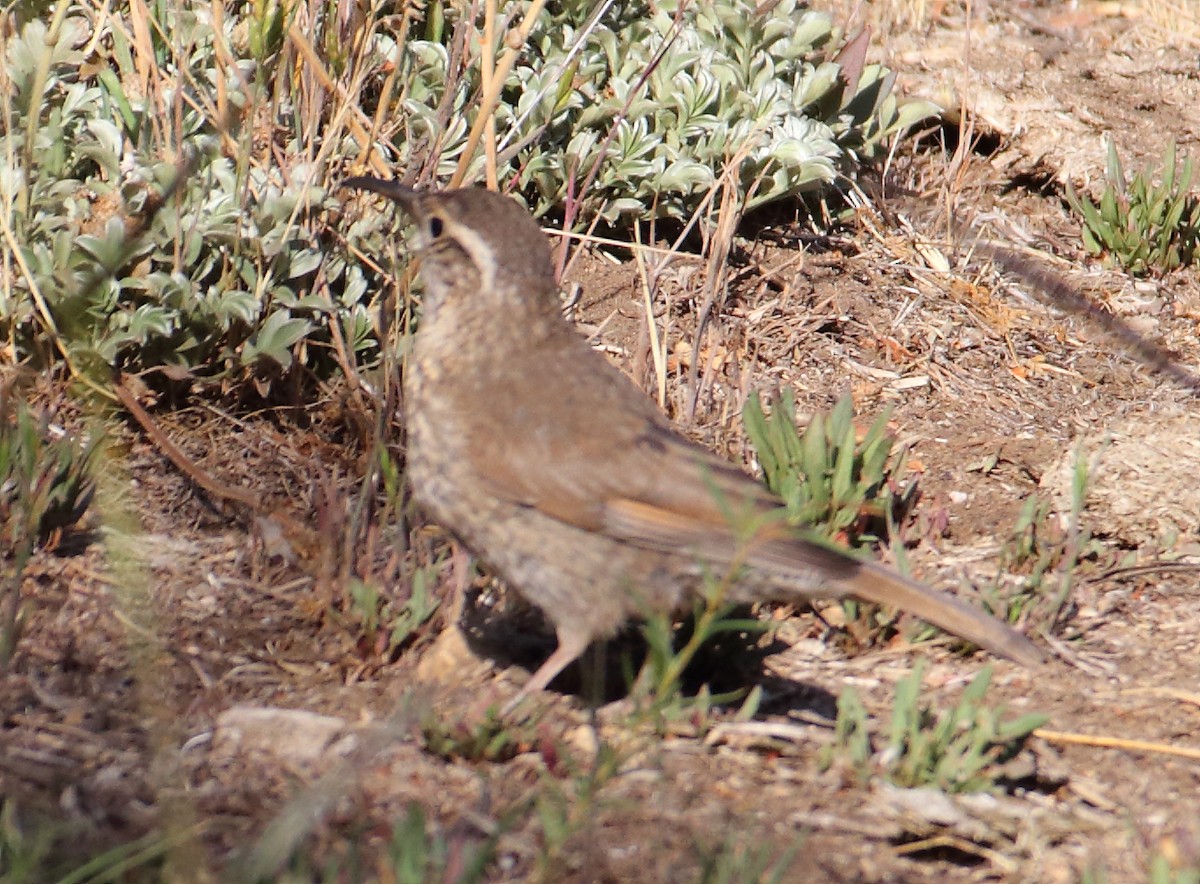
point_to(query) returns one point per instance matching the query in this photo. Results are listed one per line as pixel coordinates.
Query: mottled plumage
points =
(565, 478)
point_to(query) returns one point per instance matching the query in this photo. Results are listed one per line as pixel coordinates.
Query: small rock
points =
(446, 659)
(290, 734)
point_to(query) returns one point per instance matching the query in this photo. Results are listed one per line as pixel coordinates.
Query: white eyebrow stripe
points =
(477, 247)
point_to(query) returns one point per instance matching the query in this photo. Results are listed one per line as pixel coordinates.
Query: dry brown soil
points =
(116, 717)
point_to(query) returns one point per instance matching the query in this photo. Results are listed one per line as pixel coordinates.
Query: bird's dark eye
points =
(435, 227)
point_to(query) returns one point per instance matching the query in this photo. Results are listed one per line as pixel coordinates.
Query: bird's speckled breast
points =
(558, 567)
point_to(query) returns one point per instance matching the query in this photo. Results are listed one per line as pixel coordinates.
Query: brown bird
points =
(566, 479)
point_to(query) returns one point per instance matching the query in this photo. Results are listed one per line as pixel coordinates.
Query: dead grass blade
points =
(1074, 739)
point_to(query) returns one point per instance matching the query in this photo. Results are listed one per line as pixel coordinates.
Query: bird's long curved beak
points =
(406, 196)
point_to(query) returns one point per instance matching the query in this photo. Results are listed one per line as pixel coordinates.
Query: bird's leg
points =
(571, 643)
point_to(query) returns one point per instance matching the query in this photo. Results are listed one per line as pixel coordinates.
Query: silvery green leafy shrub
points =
(218, 279)
(237, 273)
(734, 85)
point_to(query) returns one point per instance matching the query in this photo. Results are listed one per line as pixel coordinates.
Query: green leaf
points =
(275, 338)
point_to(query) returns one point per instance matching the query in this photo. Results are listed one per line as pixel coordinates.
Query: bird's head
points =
(473, 241)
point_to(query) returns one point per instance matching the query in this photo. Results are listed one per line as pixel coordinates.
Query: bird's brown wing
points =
(616, 461)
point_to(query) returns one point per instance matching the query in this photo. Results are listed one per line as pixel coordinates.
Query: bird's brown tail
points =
(875, 583)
